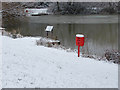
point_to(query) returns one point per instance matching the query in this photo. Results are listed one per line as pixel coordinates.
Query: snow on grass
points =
(25, 64)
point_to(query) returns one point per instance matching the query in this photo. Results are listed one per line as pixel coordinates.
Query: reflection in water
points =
(98, 37)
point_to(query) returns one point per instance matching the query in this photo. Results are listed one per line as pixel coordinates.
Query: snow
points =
(36, 11)
(48, 39)
(26, 65)
(0, 60)
(79, 35)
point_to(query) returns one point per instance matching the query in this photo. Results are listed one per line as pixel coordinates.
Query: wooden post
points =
(2, 32)
(47, 34)
(78, 51)
(52, 34)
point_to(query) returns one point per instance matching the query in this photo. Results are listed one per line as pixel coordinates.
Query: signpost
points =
(48, 29)
(2, 29)
(79, 42)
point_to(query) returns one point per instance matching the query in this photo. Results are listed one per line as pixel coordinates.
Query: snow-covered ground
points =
(35, 11)
(24, 64)
(0, 60)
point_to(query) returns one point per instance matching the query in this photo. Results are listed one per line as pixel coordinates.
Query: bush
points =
(113, 56)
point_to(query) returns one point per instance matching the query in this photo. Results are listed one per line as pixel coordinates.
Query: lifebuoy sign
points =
(79, 42)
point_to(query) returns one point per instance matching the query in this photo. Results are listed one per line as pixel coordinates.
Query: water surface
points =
(101, 32)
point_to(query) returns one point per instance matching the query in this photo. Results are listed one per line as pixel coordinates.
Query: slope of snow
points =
(0, 60)
(26, 65)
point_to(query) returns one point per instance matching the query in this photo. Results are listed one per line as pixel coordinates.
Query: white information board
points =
(1, 28)
(49, 28)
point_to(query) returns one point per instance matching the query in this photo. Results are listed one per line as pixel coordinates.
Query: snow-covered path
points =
(26, 65)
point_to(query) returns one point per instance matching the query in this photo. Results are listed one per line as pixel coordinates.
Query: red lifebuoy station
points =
(79, 42)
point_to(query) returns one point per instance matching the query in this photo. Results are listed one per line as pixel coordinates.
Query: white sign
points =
(49, 28)
(1, 28)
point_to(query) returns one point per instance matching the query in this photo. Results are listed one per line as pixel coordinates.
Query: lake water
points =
(101, 32)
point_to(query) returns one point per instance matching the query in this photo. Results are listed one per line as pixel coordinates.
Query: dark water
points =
(101, 32)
